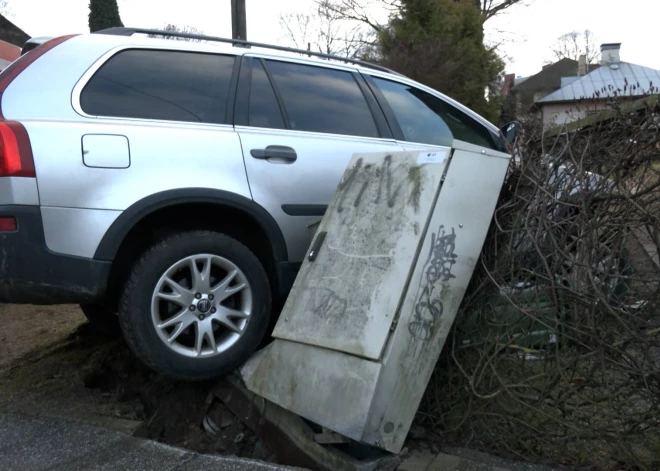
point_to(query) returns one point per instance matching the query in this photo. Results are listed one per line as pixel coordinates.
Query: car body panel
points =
(164, 156)
(19, 191)
(75, 231)
(311, 180)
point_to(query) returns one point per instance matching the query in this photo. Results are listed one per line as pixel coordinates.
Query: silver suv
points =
(169, 185)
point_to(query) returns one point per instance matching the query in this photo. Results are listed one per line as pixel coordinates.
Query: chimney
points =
(509, 81)
(610, 53)
(582, 65)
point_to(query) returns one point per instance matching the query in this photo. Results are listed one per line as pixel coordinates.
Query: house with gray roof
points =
(581, 96)
(547, 80)
(521, 93)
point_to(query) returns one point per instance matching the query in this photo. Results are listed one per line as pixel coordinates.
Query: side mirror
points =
(511, 131)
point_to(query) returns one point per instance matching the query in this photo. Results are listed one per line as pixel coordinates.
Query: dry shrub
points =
(555, 353)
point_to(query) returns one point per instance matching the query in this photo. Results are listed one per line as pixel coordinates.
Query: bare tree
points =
(349, 27)
(172, 28)
(5, 9)
(182, 29)
(360, 11)
(327, 31)
(490, 8)
(363, 10)
(574, 44)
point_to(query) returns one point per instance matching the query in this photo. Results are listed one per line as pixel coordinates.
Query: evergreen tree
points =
(440, 43)
(103, 14)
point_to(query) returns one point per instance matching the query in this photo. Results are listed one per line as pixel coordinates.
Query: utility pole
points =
(238, 20)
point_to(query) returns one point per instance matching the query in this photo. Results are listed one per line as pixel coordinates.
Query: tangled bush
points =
(555, 352)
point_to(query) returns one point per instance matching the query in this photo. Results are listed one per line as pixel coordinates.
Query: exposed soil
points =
(53, 363)
(24, 332)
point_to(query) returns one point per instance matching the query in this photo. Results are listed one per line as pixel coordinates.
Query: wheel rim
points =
(201, 305)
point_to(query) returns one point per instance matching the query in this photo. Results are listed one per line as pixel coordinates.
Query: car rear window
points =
(162, 85)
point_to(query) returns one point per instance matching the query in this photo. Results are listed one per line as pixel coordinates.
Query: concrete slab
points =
(221, 463)
(42, 443)
(418, 461)
(290, 437)
(494, 463)
(444, 462)
(462, 459)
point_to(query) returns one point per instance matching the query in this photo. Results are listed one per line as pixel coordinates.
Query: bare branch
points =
(181, 29)
(555, 353)
(5, 9)
(574, 44)
(325, 30)
(491, 8)
(358, 11)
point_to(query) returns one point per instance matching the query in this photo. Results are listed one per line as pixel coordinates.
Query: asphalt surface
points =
(30, 443)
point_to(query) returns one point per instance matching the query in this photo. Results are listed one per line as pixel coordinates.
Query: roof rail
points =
(240, 42)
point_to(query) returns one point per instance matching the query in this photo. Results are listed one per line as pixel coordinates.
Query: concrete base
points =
(289, 436)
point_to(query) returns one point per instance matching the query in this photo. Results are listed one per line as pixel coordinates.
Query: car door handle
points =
(275, 152)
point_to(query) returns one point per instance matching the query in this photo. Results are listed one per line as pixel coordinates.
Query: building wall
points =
(9, 52)
(557, 114)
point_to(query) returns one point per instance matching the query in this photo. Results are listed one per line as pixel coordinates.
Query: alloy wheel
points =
(201, 305)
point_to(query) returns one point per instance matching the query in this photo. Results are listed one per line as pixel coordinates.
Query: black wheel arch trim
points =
(119, 229)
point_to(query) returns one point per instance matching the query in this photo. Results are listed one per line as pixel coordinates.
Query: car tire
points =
(102, 319)
(230, 321)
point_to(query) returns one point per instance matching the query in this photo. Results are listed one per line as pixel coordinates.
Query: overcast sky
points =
(526, 31)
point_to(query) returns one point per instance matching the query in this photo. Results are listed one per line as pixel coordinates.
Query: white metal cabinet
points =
(409, 304)
(347, 298)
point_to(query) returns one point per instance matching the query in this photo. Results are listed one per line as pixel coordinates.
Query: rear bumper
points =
(32, 274)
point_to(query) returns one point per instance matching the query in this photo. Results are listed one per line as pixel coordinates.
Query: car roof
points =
(241, 47)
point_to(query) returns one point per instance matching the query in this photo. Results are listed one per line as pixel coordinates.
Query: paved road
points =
(29, 443)
(36, 443)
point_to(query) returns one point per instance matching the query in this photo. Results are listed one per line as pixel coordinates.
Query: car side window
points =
(163, 85)
(264, 110)
(322, 100)
(428, 119)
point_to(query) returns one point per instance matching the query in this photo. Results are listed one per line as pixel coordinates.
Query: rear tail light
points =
(15, 151)
(8, 224)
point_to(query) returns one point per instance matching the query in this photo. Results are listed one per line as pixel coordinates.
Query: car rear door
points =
(299, 126)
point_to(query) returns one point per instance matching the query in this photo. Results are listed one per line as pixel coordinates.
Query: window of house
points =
(322, 100)
(427, 119)
(264, 110)
(163, 85)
